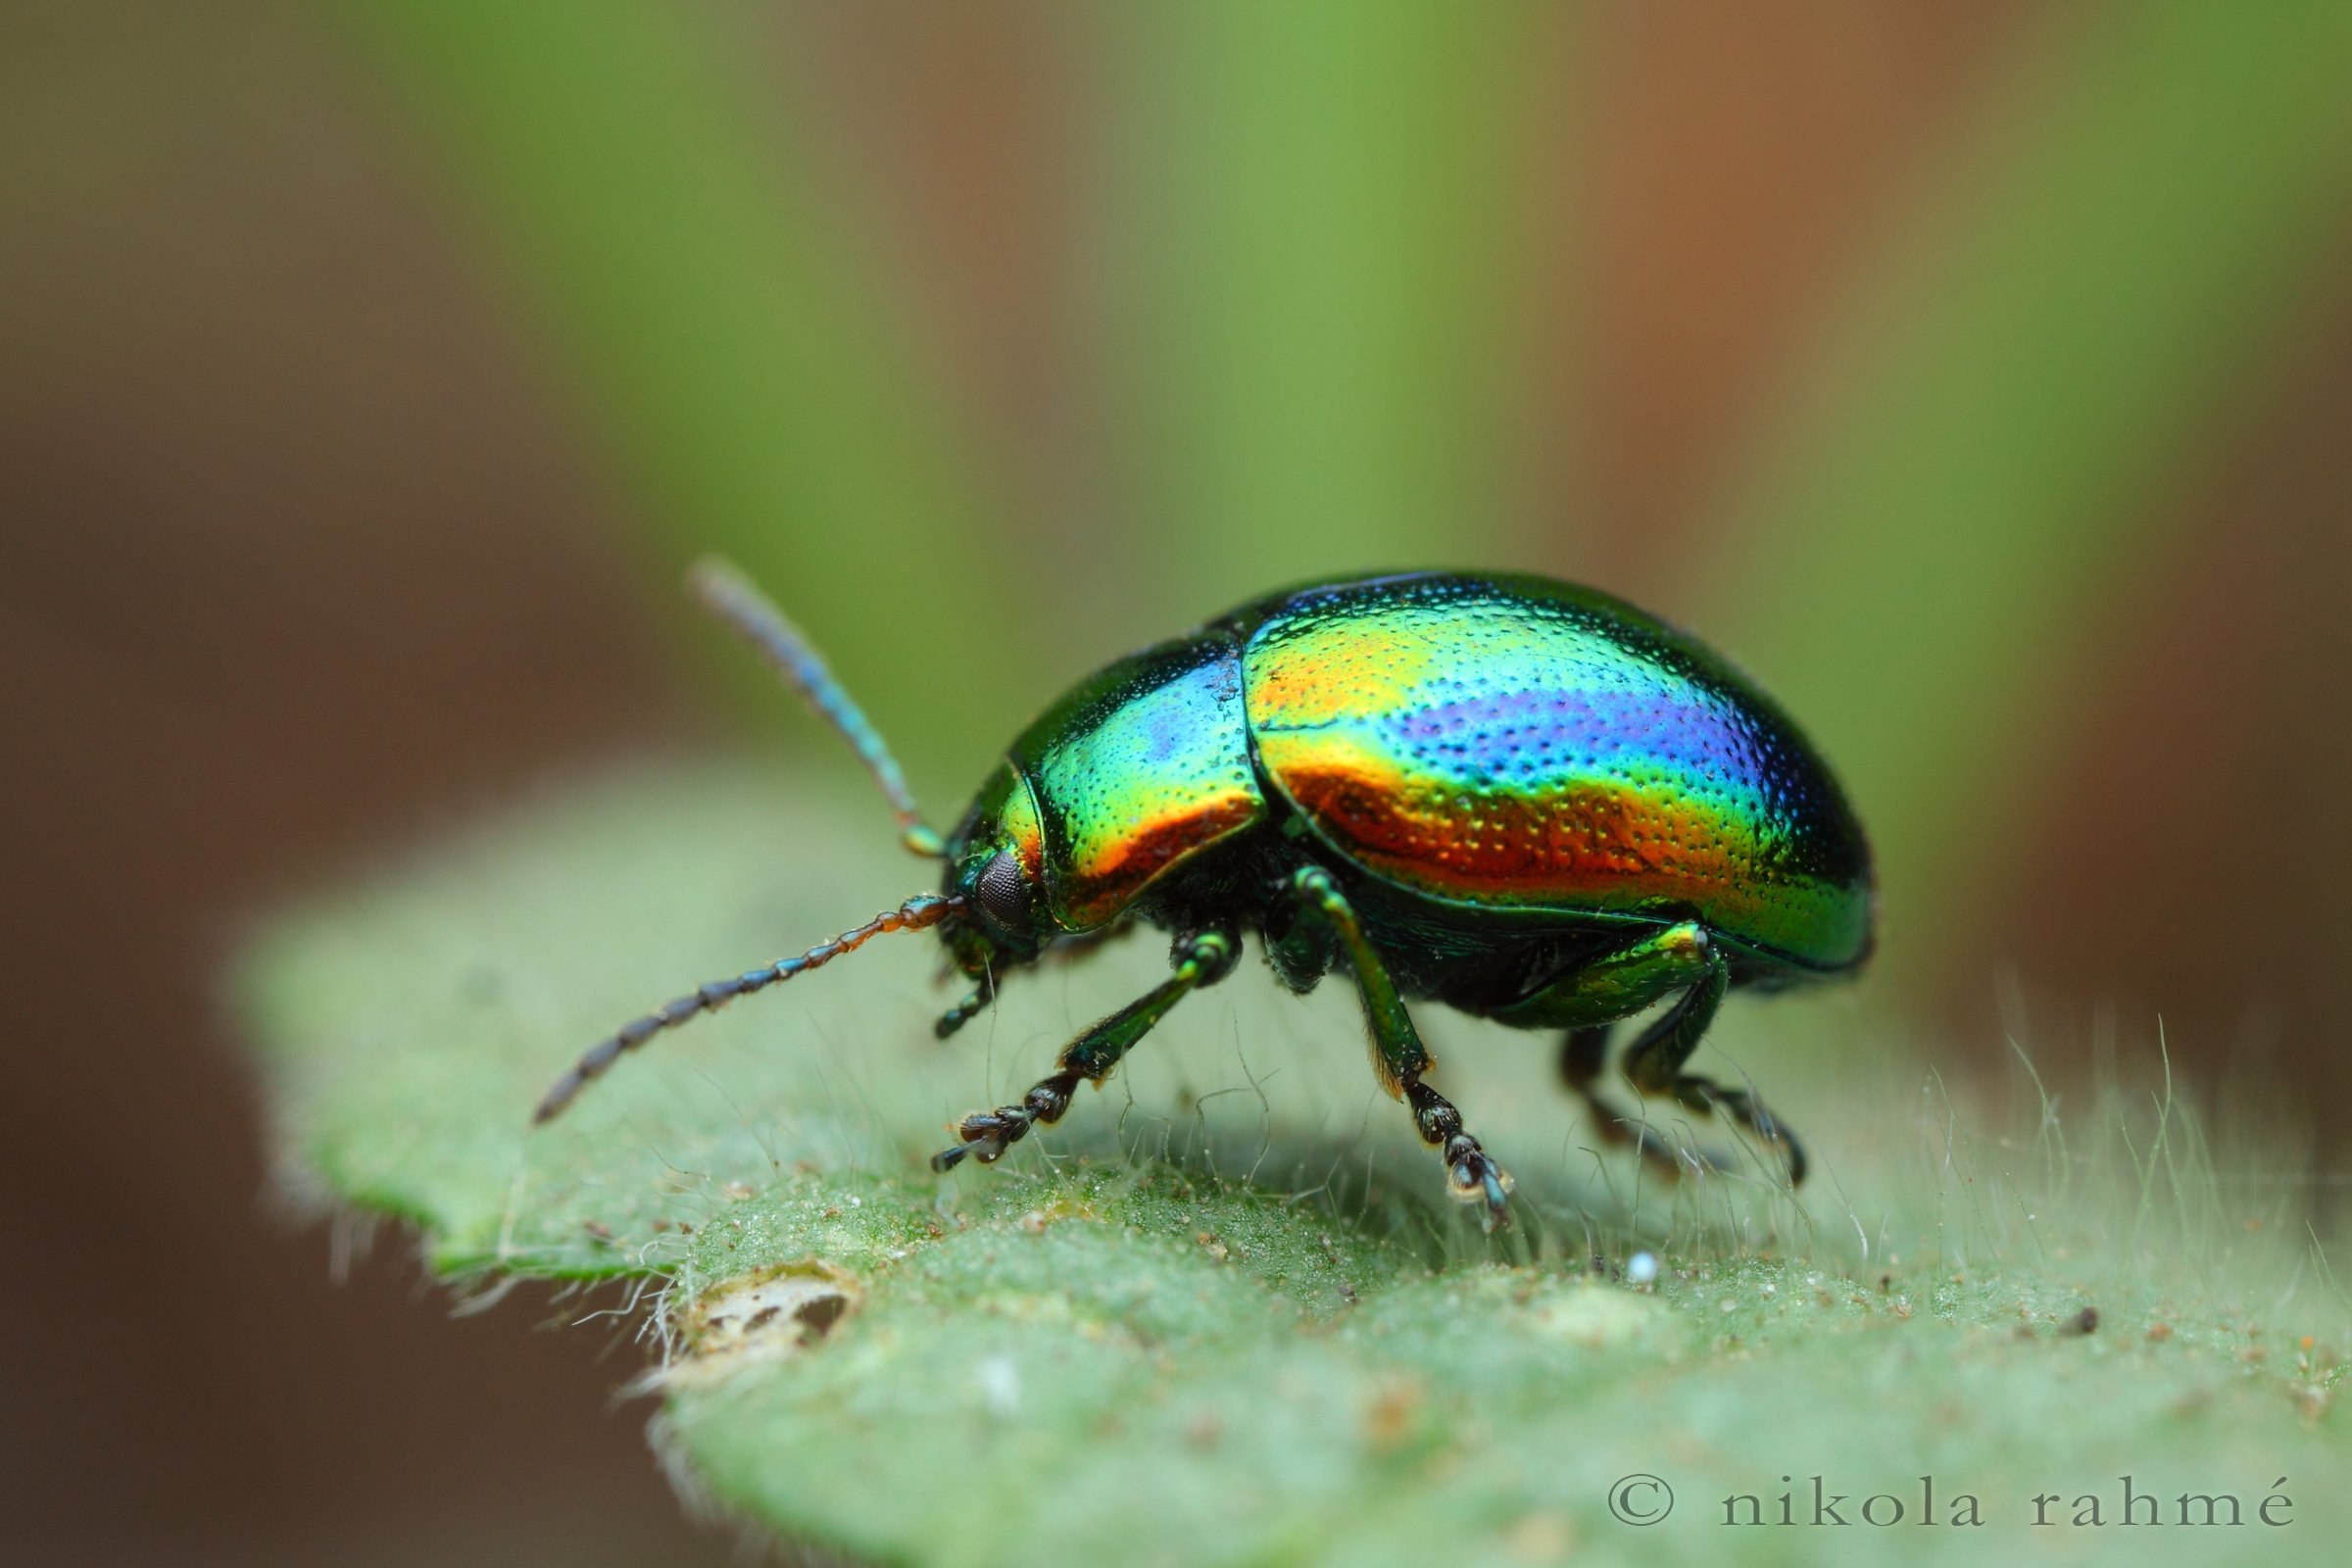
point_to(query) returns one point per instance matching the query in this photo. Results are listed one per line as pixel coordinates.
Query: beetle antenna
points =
(921, 910)
(729, 595)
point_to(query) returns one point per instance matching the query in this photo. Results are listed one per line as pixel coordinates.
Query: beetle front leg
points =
(1399, 1057)
(1201, 959)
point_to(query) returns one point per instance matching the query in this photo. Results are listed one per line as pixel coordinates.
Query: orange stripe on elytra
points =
(1581, 842)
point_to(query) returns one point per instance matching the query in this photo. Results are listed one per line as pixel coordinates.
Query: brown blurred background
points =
(312, 543)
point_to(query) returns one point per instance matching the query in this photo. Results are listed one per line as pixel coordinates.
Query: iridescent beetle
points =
(1521, 798)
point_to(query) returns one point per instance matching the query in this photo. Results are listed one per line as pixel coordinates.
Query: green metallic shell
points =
(1508, 744)
(1140, 769)
(1515, 743)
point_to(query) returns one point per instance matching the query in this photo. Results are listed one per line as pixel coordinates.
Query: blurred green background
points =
(1977, 374)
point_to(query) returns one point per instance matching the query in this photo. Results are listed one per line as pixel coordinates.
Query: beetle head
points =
(995, 874)
(996, 867)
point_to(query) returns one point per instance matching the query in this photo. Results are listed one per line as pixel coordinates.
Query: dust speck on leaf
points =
(1000, 1382)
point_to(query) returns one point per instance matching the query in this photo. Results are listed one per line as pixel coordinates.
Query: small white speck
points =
(1772, 1289)
(1000, 1384)
(1640, 1268)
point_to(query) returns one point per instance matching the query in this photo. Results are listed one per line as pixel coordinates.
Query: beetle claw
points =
(986, 1136)
(1498, 1187)
(987, 1147)
(1478, 1179)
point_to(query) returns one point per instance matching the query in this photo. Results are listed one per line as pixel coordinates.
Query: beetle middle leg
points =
(1201, 958)
(1399, 1057)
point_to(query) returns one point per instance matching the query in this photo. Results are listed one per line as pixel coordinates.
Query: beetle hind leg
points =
(1583, 1056)
(1653, 1065)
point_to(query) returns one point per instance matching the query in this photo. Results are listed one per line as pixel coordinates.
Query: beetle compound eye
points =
(1004, 892)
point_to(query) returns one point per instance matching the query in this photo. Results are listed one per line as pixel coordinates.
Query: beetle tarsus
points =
(1704, 1095)
(1582, 1058)
(985, 1147)
(1471, 1174)
(983, 992)
(989, 1133)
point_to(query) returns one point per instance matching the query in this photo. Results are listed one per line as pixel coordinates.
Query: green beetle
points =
(1518, 797)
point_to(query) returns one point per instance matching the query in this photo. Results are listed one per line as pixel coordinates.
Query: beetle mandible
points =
(1518, 797)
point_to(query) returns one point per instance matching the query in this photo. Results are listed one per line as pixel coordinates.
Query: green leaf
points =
(1221, 1313)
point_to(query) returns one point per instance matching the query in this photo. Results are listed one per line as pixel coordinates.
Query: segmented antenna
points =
(923, 910)
(730, 596)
